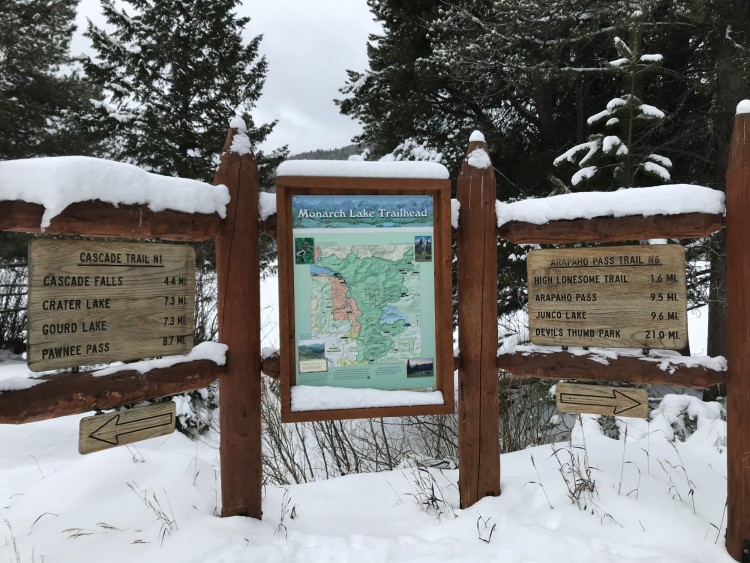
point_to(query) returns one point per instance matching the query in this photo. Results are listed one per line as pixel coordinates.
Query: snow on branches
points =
(617, 154)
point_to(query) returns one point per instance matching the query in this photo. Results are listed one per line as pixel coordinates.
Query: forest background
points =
(536, 80)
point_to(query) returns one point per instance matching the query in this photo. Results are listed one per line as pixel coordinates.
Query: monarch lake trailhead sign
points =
(364, 296)
(616, 296)
(95, 302)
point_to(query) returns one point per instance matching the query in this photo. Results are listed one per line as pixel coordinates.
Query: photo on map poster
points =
(420, 367)
(422, 249)
(303, 250)
(312, 357)
(365, 300)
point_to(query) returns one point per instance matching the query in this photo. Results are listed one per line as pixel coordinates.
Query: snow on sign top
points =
(476, 137)
(57, 182)
(363, 169)
(656, 200)
(743, 107)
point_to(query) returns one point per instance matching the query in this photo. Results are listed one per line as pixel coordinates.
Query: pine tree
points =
(394, 99)
(616, 154)
(174, 72)
(39, 91)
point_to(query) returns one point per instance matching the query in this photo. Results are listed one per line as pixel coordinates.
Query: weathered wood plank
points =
(238, 271)
(104, 431)
(613, 229)
(478, 389)
(624, 369)
(63, 394)
(602, 399)
(738, 377)
(94, 302)
(615, 296)
(101, 219)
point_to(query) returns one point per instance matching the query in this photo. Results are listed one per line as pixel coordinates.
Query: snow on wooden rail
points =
(62, 394)
(96, 197)
(672, 211)
(620, 365)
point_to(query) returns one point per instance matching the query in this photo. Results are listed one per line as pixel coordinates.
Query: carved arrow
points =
(602, 400)
(125, 427)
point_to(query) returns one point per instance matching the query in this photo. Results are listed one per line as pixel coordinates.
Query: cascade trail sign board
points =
(603, 400)
(366, 265)
(616, 296)
(105, 431)
(95, 302)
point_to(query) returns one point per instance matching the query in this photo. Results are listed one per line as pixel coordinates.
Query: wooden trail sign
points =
(105, 431)
(94, 302)
(616, 296)
(606, 401)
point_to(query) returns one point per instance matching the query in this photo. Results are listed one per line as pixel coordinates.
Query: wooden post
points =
(738, 372)
(238, 271)
(478, 400)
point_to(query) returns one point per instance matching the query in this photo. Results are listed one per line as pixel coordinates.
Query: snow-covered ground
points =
(654, 499)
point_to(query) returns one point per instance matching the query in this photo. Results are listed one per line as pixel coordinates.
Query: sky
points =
(309, 46)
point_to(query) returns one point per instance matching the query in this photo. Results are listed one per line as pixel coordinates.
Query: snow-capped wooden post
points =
(478, 400)
(238, 271)
(738, 361)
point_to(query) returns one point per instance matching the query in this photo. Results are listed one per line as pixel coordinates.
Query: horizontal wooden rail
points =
(63, 394)
(599, 229)
(625, 369)
(613, 229)
(102, 219)
(268, 226)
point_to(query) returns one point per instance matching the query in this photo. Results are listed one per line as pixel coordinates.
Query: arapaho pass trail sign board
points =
(615, 296)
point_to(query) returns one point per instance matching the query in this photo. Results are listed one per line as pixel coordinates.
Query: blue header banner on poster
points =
(361, 211)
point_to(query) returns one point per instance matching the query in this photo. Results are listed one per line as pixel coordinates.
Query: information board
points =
(364, 296)
(616, 296)
(94, 302)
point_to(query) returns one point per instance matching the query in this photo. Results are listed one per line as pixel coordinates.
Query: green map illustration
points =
(365, 303)
(364, 291)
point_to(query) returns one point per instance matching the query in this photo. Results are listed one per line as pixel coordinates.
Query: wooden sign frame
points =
(289, 186)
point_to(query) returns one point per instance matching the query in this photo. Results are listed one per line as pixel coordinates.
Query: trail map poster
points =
(364, 297)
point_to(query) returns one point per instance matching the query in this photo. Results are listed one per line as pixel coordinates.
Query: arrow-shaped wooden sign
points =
(125, 427)
(607, 401)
